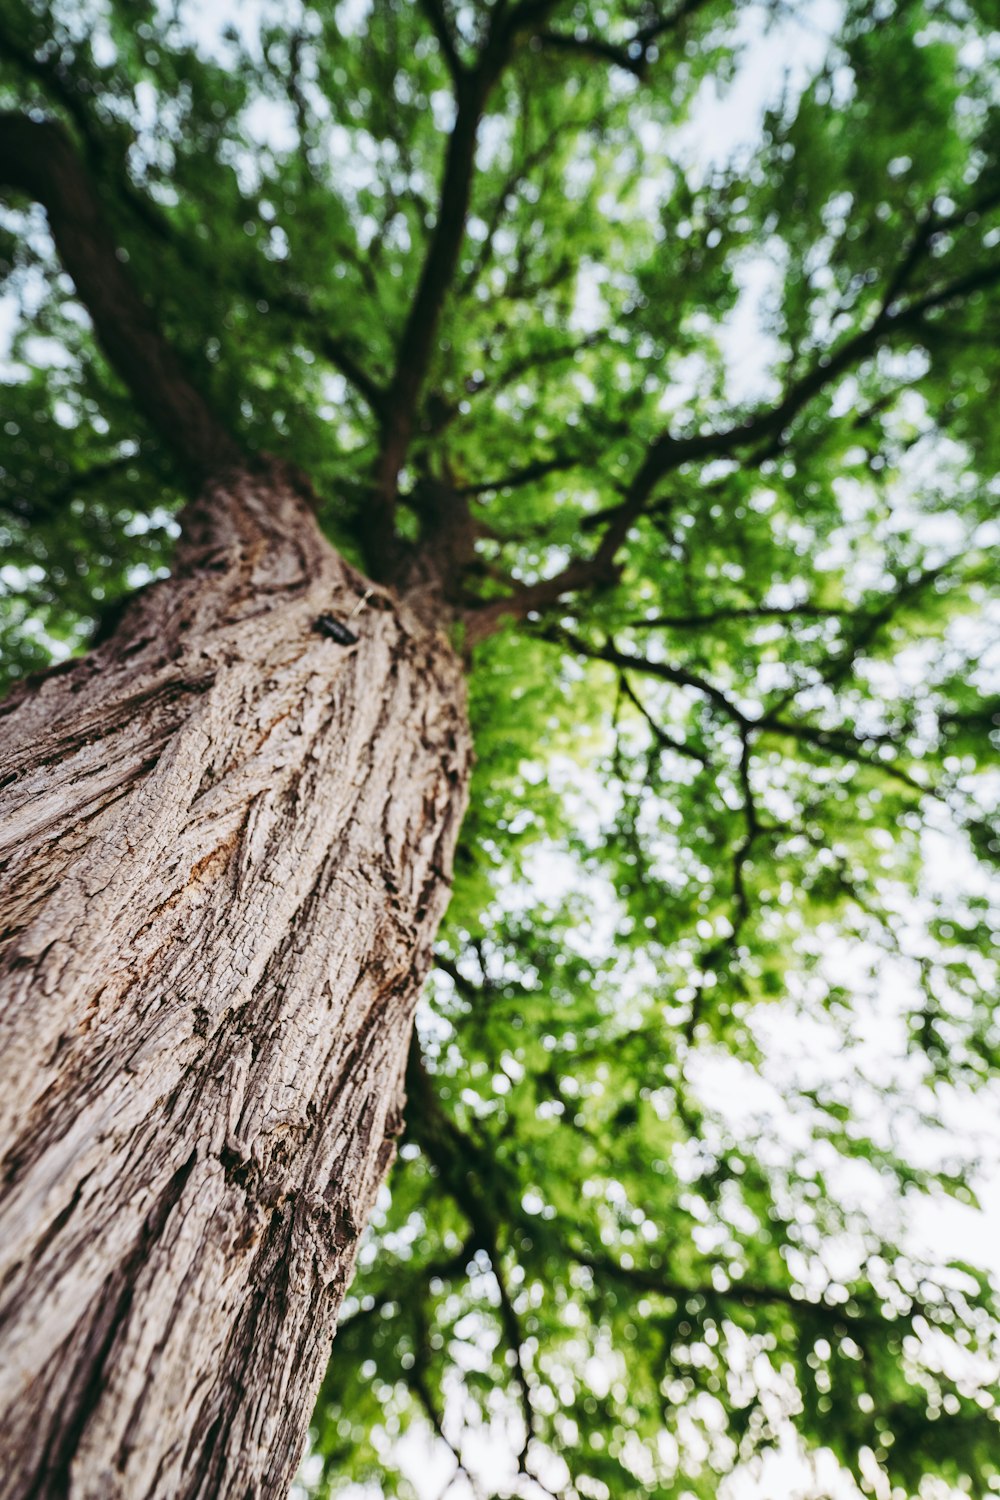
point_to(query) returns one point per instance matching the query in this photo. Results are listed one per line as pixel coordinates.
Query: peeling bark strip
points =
(226, 843)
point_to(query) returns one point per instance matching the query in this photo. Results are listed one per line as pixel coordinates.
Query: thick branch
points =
(416, 345)
(668, 453)
(435, 12)
(483, 619)
(41, 160)
(109, 167)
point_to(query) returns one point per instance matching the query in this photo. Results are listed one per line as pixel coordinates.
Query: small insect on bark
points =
(335, 630)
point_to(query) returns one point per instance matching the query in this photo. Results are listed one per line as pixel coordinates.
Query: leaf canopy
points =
(719, 975)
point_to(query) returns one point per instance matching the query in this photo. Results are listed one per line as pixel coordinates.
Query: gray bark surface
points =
(225, 846)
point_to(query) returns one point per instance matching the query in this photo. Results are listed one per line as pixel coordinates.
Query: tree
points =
(425, 326)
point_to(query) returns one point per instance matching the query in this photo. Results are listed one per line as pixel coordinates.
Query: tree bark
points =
(226, 843)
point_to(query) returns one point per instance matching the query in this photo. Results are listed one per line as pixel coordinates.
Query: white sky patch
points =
(212, 24)
(270, 123)
(726, 118)
(748, 354)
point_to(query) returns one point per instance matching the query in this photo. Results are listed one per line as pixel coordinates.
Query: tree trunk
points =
(226, 839)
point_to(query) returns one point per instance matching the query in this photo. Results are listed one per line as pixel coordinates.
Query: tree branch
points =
(330, 345)
(538, 469)
(448, 1148)
(840, 743)
(435, 12)
(634, 55)
(663, 739)
(740, 612)
(43, 505)
(668, 452)
(509, 189)
(481, 620)
(107, 165)
(680, 676)
(41, 160)
(416, 344)
(535, 360)
(747, 1293)
(419, 1382)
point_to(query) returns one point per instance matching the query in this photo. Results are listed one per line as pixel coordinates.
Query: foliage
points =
(714, 785)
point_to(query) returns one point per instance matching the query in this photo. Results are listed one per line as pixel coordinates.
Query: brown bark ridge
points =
(225, 844)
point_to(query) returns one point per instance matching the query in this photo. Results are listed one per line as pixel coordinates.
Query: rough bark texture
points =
(226, 842)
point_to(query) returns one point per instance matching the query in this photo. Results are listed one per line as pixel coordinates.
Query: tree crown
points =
(700, 459)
